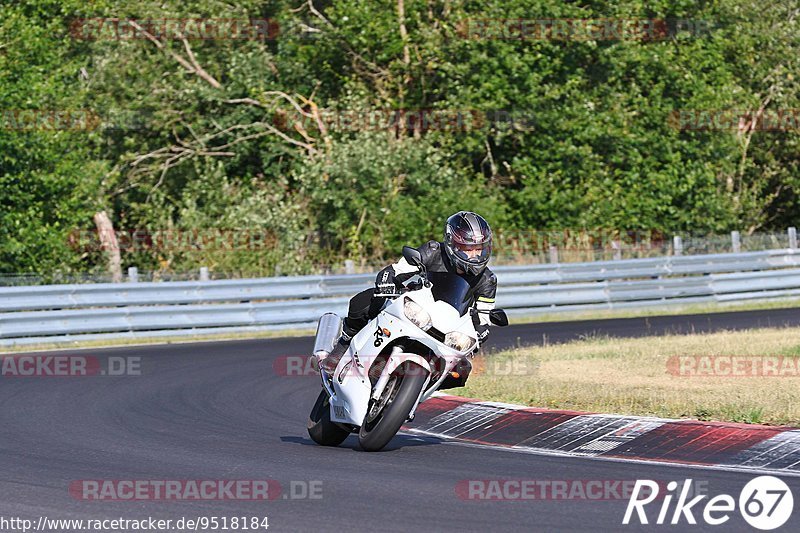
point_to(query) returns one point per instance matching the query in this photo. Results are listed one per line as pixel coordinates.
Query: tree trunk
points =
(108, 241)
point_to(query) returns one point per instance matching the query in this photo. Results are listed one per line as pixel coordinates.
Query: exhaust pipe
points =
(329, 329)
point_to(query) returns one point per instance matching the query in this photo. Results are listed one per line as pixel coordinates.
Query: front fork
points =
(392, 363)
(327, 380)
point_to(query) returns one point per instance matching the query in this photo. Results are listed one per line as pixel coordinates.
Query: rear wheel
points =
(320, 427)
(386, 415)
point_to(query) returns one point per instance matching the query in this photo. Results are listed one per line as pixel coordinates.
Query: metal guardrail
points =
(65, 312)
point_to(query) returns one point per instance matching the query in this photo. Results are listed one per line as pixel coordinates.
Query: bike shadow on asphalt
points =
(399, 442)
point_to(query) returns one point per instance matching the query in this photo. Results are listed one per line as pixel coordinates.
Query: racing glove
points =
(481, 329)
(385, 284)
(483, 332)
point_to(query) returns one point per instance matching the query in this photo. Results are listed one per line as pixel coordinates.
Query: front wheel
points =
(385, 416)
(320, 427)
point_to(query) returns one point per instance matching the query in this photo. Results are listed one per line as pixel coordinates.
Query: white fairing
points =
(350, 385)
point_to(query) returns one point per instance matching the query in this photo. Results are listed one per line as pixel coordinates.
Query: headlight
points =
(459, 341)
(416, 314)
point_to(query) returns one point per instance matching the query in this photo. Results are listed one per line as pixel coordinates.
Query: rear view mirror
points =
(413, 256)
(498, 317)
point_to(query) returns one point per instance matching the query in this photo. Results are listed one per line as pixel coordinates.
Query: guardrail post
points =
(133, 274)
(349, 267)
(203, 273)
(793, 238)
(617, 250)
(553, 253)
(736, 243)
(677, 245)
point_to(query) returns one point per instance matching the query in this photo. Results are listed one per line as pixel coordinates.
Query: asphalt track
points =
(221, 411)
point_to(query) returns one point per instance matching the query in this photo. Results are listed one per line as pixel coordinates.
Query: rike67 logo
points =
(765, 503)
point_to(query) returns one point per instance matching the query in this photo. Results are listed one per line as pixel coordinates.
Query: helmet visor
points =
(473, 253)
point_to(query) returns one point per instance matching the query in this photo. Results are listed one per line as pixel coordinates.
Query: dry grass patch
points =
(630, 376)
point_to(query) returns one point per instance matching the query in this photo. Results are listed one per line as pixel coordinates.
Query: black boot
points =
(330, 363)
(356, 319)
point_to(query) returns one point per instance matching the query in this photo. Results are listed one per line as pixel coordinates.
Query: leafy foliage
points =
(273, 137)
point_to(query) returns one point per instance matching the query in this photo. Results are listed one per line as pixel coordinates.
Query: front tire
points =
(376, 432)
(320, 427)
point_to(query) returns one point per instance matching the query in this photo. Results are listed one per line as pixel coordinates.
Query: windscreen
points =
(451, 288)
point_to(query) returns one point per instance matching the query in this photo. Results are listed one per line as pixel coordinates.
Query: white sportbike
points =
(398, 360)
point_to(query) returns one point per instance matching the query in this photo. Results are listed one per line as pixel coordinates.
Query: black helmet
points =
(466, 231)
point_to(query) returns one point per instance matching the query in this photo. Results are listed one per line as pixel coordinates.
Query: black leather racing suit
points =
(483, 287)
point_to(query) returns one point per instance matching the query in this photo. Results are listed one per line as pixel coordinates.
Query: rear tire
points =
(377, 433)
(320, 427)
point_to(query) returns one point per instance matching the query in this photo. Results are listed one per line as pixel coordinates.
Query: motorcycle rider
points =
(466, 250)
